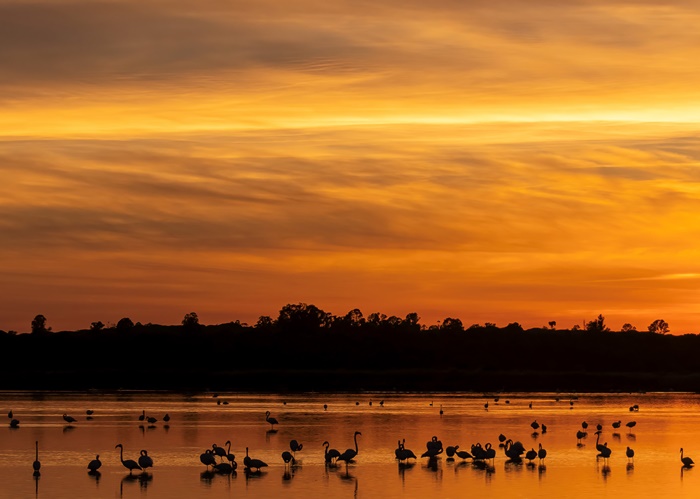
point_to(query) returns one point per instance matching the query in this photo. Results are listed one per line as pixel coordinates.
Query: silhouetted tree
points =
(264, 322)
(411, 322)
(96, 326)
(39, 325)
(659, 326)
(452, 325)
(597, 326)
(628, 328)
(513, 327)
(552, 324)
(190, 322)
(575, 327)
(303, 317)
(125, 324)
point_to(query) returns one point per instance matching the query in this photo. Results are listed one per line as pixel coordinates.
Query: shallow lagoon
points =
(665, 422)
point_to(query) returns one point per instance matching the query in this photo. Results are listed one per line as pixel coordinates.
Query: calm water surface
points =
(665, 422)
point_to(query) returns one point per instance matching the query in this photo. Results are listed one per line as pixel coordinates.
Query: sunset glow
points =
(492, 161)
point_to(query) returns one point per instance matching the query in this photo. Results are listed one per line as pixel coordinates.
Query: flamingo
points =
(295, 446)
(579, 435)
(542, 453)
(270, 420)
(142, 416)
(287, 457)
(501, 439)
(9, 414)
(151, 419)
(95, 464)
(600, 448)
(599, 427)
(252, 463)
(36, 464)
(129, 464)
(166, 418)
(531, 454)
(687, 462)
(404, 453)
(208, 458)
(486, 406)
(145, 461)
(441, 411)
(535, 425)
(616, 424)
(69, 419)
(631, 425)
(224, 468)
(89, 412)
(331, 454)
(462, 454)
(450, 450)
(490, 453)
(544, 428)
(231, 458)
(218, 451)
(14, 423)
(584, 425)
(630, 453)
(350, 454)
(325, 407)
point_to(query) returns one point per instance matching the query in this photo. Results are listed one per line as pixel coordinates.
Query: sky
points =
(494, 161)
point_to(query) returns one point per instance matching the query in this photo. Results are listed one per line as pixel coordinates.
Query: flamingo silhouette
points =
(616, 424)
(272, 421)
(95, 464)
(295, 446)
(631, 425)
(330, 454)
(166, 418)
(287, 457)
(129, 464)
(687, 462)
(142, 416)
(36, 464)
(253, 463)
(350, 454)
(629, 453)
(579, 436)
(231, 458)
(208, 458)
(403, 454)
(224, 468)
(531, 454)
(542, 453)
(145, 461)
(218, 451)
(69, 419)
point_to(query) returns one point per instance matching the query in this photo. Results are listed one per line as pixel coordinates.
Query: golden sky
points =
(495, 161)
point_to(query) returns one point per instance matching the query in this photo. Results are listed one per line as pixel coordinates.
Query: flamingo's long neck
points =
(229, 448)
(37, 450)
(356, 448)
(121, 454)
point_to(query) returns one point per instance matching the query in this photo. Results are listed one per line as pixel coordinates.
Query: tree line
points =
(305, 348)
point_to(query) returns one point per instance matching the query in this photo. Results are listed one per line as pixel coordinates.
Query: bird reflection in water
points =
(631, 436)
(432, 464)
(68, 428)
(207, 477)
(630, 468)
(36, 484)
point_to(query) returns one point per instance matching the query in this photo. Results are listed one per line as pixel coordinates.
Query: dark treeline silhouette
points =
(305, 348)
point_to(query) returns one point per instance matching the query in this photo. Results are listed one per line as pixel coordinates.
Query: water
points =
(665, 422)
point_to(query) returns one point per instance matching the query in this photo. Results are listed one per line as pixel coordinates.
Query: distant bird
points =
(530, 406)
(496, 399)
(490, 452)
(142, 416)
(370, 402)
(68, 419)
(218, 451)
(325, 407)
(208, 458)
(330, 454)
(687, 462)
(599, 427)
(9, 414)
(462, 454)
(403, 454)
(544, 428)
(357, 403)
(616, 424)
(36, 464)
(272, 421)
(166, 418)
(542, 453)
(631, 425)
(579, 436)
(89, 412)
(151, 419)
(630, 453)
(95, 464)
(535, 425)
(287, 457)
(598, 446)
(531, 454)
(441, 411)
(231, 458)
(350, 454)
(145, 460)
(501, 439)
(584, 425)
(251, 463)
(486, 406)
(224, 468)
(129, 464)
(14, 423)
(295, 446)
(381, 403)
(507, 401)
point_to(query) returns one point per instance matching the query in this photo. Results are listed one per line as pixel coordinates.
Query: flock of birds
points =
(480, 455)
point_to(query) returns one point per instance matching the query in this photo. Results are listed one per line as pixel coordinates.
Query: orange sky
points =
(492, 161)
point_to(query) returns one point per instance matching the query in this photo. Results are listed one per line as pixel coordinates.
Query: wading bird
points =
(129, 464)
(272, 421)
(330, 454)
(208, 458)
(687, 462)
(145, 461)
(36, 464)
(251, 463)
(95, 464)
(350, 454)
(68, 419)
(629, 453)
